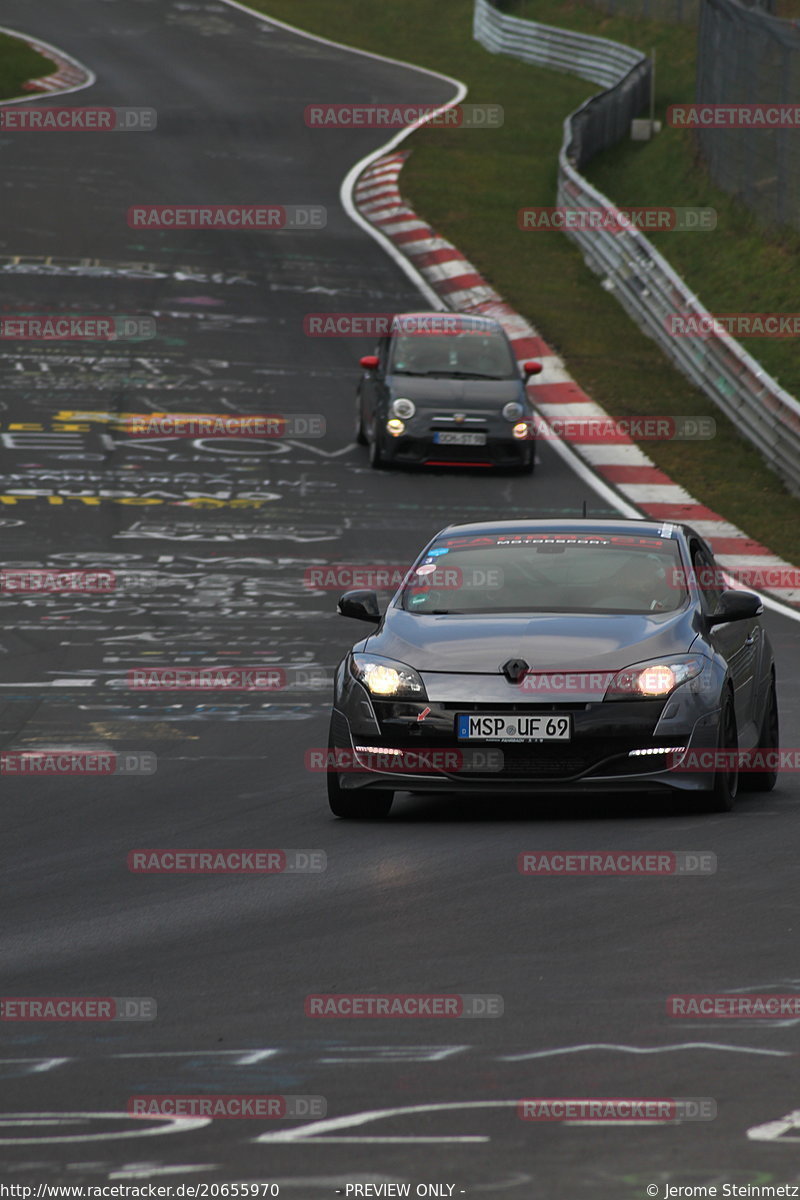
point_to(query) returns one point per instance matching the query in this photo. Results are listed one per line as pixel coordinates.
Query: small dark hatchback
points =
(444, 389)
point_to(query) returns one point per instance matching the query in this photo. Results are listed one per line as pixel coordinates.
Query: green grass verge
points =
(18, 64)
(469, 184)
(740, 267)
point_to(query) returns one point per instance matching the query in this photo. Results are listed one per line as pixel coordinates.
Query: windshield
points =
(547, 572)
(467, 353)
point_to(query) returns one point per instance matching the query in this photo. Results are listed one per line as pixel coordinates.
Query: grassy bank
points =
(470, 183)
(18, 64)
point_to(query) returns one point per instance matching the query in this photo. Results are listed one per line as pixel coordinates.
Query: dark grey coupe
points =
(542, 656)
(444, 389)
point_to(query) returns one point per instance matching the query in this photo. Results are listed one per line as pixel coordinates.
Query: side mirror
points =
(363, 605)
(370, 362)
(736, 606)
(532, 367)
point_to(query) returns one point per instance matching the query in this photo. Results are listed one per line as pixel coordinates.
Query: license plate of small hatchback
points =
(451, 438)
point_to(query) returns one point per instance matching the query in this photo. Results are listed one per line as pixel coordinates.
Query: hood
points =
(432, 392)
(558, 642)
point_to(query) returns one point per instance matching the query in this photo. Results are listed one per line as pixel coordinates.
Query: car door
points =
(739, 643)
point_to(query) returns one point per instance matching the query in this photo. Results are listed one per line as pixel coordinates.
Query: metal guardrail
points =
(594, 58)
(632, 269)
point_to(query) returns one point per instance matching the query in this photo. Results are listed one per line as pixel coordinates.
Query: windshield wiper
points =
(437, 612)
(442, 371)
(475, 375)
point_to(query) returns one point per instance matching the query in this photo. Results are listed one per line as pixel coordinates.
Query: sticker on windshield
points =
(556, 539)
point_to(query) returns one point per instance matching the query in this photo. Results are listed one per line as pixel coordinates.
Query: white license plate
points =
(448, 438)
(494, 728)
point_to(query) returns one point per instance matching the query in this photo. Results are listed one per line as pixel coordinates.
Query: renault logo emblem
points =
(459, 418)
(515, 670)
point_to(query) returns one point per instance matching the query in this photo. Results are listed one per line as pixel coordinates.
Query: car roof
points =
(663, 529)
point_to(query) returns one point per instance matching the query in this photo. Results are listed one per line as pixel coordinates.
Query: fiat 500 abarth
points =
(443, 389)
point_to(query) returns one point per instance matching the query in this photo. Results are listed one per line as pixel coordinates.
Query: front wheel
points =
(355, 805)
(376, 459)
(527, 464)
(764, 780)
(360, 435)
(726, 779)
(364, 805)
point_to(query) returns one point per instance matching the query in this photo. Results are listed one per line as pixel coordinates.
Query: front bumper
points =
(597, 758)
(418, 448)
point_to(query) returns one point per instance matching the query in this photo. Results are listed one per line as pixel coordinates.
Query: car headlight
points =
(395, 427)
(403, 408)
(655, 679)
(513, 411)
(385, 677)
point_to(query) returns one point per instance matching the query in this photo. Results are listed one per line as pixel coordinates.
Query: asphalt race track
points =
(430, 901)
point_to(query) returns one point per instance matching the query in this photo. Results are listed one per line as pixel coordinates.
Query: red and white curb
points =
(69, 76)
(623, 465)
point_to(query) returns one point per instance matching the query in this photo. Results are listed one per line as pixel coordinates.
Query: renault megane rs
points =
(541, 656)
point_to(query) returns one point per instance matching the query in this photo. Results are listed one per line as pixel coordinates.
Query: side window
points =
(382, 351)
(708, 576)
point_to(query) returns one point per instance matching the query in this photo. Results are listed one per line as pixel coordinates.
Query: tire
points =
(764, 781)
(723, 794)
(356, 805)
(361, 437)
(376, 459)
(527, 465)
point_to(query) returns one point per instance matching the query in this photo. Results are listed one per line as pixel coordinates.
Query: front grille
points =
(557, 760)
(441, 422)
(602, 736)
(496, 453)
